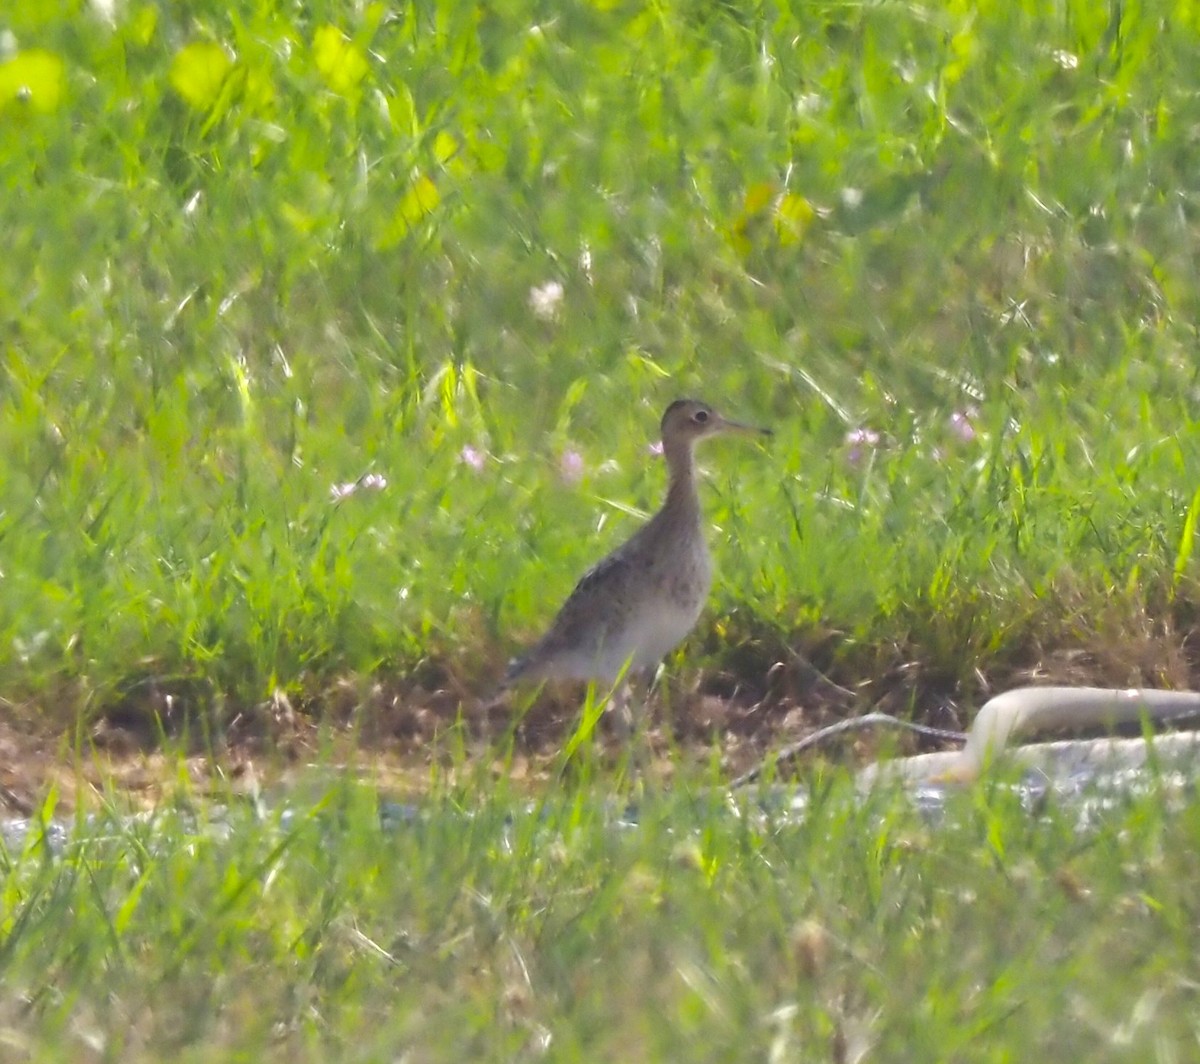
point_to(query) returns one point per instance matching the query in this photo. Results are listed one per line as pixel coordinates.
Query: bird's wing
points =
(586, 610)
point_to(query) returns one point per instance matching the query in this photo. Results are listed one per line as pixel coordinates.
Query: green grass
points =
(256, 251)
(862, 933)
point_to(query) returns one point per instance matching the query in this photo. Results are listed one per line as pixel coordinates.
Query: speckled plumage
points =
(638, 603)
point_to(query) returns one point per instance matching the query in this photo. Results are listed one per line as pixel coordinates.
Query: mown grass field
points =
(333, 337)
(862, 934)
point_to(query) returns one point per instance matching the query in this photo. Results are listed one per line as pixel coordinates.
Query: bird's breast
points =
(672, 600)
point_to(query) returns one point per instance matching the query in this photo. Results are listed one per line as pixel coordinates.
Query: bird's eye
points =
(700, 416)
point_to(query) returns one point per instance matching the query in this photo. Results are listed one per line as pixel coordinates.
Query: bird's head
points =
(690, 420)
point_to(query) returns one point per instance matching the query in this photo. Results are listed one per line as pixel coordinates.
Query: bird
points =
(638, 603)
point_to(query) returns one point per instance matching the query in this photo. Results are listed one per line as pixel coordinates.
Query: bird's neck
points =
(681, 487)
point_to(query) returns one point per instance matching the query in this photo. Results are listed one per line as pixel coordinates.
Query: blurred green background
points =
(256, 251)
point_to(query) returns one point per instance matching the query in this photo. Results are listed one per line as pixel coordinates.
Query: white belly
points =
(660, 621)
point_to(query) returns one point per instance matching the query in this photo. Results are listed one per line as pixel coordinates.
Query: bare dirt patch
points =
(157, 740)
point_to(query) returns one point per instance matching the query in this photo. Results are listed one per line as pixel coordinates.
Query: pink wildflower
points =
(473, 457)
(545, 300)
(367, 482)
(962, 424)
(570, 466)
(858, 442)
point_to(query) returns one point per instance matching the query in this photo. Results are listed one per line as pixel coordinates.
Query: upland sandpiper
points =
(636, 605)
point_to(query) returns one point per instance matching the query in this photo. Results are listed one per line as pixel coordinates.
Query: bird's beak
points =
(743, 428)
